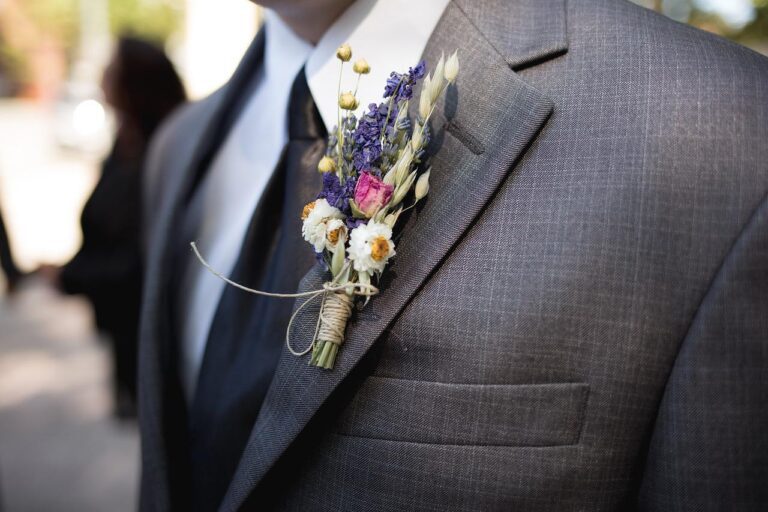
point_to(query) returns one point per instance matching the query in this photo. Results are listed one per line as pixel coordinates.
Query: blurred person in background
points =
(142, 86)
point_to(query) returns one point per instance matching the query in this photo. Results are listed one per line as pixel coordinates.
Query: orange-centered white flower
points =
(307, 208)
(370, 247)
(336, 231)
(318, 216)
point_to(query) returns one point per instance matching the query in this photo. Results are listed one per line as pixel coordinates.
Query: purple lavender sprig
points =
(400, 85)
(336, 193)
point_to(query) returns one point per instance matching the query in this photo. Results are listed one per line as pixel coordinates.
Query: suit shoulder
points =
(628, 33)
(689, 108)
(687, 93)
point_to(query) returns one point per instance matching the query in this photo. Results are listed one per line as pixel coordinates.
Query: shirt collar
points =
(390, 34)
(284, 52)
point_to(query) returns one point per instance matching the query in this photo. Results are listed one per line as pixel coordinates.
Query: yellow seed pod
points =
(347, 101)
(326, 164)
(362, 67)
(344, 52)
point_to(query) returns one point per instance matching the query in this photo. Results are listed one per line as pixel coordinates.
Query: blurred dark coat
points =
(6, 258)
(108, 267)
(576, 316)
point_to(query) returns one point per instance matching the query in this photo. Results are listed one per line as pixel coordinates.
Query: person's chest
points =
(533, 357)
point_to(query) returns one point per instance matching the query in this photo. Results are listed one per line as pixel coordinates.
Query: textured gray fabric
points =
(704, 453)
(576, 318)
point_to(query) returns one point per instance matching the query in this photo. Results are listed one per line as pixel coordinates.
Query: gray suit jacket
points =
(577, 318)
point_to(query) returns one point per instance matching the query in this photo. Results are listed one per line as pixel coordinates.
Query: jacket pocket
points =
(466, 414)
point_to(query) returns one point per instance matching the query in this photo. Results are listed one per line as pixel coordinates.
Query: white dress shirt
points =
(390, 34)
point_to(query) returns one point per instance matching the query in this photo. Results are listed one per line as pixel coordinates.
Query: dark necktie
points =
(248, 331)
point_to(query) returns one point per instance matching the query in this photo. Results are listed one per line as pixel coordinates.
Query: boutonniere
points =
(373, 171)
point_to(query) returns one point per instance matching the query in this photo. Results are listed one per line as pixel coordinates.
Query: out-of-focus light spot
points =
(88, 117)
(736, 13)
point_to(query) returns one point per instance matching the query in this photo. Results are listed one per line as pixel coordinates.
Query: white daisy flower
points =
(336, 231)
(370, 247)
(317, 216)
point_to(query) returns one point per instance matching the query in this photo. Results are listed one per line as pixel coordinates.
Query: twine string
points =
(298, 353)
(335, 309)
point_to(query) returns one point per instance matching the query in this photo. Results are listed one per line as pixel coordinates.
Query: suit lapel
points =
(482, 128)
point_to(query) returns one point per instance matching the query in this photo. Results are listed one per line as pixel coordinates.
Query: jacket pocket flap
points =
(466, 414)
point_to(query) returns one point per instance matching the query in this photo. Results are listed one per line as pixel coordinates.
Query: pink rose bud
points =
(372, 194)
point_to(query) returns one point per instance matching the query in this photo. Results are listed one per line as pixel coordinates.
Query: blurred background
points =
(67, 441)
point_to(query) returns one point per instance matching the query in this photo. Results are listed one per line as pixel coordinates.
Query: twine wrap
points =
(336, 310)
(334, 314)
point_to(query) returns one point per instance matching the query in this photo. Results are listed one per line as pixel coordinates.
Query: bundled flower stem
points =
(372, 173)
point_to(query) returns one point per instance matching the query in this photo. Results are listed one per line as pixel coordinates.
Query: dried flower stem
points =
(357, 85)
(340, 144)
